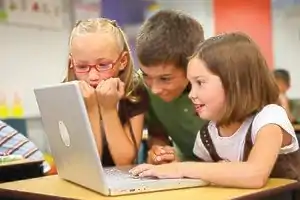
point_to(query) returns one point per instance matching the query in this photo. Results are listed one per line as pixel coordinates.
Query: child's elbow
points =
(258, 180)
(257, 183)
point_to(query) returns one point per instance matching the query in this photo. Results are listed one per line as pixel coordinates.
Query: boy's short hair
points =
(283, 75)
(168, 37)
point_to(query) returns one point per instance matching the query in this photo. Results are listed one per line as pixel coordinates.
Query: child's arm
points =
(94, 117)
(117, 135)
(93, 112)
(123, 143)
(251, 174)
(159, 145)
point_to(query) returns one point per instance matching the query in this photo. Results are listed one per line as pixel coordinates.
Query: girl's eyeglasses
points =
(98, 67)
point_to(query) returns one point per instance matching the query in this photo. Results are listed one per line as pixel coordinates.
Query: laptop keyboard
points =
(115, 173)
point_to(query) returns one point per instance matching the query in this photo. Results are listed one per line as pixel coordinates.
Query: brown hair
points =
(168, 37)
(283, 75)
(248, 83)
(103, 25)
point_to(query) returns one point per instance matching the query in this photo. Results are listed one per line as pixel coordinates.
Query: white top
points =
(232, 148)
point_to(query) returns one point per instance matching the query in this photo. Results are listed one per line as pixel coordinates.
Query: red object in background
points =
(252, 17)
(35, 7)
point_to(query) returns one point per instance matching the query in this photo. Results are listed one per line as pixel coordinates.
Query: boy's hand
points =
(161, 155)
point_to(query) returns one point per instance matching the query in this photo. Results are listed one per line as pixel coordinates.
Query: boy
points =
(164, 43)
(283, 80)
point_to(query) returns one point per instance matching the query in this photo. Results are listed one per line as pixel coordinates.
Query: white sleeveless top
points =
(232, 148)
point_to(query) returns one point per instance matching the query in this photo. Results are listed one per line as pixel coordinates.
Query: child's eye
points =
(105, 66)
(144, 75)
(165, 79)
(82, 66)
(199, 83)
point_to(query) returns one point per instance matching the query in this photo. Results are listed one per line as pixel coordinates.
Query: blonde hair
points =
(103, 25)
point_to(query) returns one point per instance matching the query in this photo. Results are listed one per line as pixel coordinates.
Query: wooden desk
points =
(53, 188)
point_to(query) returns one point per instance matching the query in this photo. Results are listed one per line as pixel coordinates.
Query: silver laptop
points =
(74, 150)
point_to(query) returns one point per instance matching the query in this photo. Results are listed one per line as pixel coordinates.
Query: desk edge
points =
(30, 196)
(272, 191)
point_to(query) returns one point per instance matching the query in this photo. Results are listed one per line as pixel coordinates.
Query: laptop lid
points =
(70, 136)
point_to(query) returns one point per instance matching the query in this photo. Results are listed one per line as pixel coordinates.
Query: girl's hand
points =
(110, 92)
(89, 95)
(171, 170)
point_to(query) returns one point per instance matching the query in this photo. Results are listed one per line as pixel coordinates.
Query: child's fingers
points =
(161, 154)
(169, 149)
(165, 158)
(147, 173)
(139, 169)
(158, 150)
(85, 88)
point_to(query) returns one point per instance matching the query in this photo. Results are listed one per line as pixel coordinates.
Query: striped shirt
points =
(14, 143)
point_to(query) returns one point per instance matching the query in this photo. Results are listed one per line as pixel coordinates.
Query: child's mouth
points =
(199, 107)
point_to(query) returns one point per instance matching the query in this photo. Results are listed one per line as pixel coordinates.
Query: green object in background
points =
(3, 15)
(295, 109)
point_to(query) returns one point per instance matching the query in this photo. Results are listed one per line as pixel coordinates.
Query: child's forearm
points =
(231, 174)
(116, 135)
(94, 117)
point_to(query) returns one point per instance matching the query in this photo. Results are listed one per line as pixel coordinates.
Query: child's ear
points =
(70, 62)
(124, 60)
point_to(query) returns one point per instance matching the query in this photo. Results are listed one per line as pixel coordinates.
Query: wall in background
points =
(202, 10)
(273, 24)
(37, 55)
(217, 16)
(129, 15)
(48, 64)
(124, 12)
(44, 62)
(252, 17)
(32, 55)
(286, 41)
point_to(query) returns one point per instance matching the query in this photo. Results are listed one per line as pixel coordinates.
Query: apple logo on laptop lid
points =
(64, 134)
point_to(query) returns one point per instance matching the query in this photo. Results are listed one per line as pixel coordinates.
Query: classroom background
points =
(34, 42)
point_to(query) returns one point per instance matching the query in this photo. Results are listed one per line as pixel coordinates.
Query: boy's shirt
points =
(179, 120)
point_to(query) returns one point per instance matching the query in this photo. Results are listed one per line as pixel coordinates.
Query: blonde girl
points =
(100, 58)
